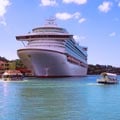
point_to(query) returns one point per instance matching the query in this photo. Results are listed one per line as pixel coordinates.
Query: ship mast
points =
(51, 22)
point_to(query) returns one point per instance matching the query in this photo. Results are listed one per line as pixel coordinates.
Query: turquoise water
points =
(59, 99)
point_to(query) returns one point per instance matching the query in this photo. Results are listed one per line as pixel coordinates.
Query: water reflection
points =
(59, 99)
(9, 101)
(51, 101)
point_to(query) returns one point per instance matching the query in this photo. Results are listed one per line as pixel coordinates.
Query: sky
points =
(94, 24)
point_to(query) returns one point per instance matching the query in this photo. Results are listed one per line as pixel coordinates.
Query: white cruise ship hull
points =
(46, 63)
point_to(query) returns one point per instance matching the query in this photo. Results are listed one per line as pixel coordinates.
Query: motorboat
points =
(108, 78)
(12, 75)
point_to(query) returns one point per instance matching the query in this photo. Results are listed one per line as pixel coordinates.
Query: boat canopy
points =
(108, 74)
(12, 72)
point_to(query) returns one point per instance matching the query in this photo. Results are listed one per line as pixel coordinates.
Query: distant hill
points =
(92, 69)
(97, 69)
(3, 59)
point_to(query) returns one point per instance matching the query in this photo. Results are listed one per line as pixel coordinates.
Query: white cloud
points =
(3, 6)
(76, 37)
(105, 6)
(79, 38)
(76, 15)
(82, 20)
(119, 4)
(48, 3)
(112, 34)
(75, 1)
(66, 16)
(2, 21)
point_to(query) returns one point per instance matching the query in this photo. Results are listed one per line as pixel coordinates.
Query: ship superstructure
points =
(52, 52)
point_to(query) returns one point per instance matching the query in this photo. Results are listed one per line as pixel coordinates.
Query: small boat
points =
(108, 78)
(12, 75)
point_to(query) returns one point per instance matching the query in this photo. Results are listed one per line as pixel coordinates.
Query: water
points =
(59, 99)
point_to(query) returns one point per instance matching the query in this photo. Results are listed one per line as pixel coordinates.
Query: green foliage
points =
(98, 69)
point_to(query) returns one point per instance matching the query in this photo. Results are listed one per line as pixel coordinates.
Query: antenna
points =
(51, 22)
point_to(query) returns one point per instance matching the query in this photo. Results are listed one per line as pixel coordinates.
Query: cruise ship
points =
(50, 51)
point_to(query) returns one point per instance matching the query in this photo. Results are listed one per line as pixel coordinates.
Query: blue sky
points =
(95, 24)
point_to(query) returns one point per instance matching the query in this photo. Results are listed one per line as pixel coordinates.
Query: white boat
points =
(52, 52)
(12, 75)
(108, 78)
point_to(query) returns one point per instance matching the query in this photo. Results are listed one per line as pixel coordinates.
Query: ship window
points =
(59, 30)
(29, 56)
